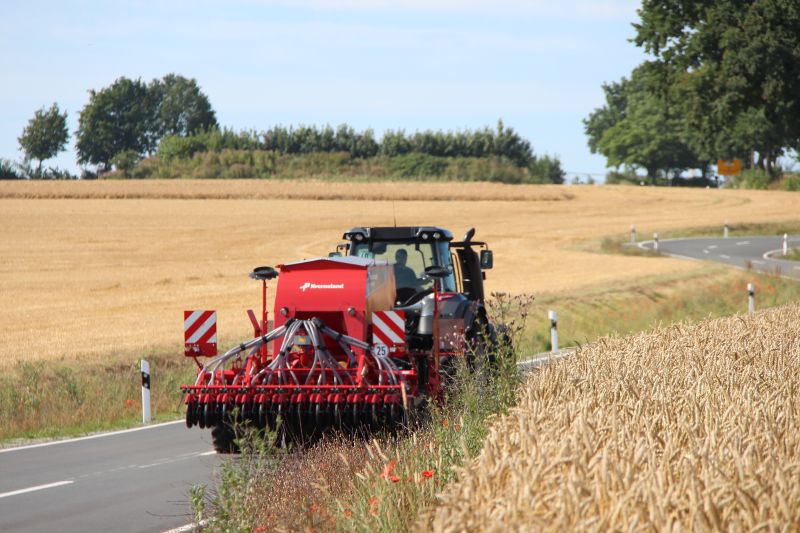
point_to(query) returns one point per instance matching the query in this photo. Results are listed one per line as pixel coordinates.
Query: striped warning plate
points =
(200, 333)
(389, 328)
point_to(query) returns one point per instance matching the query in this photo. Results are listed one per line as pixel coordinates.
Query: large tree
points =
(45, 135)
(639, 127)
(736, 65)
(131, 116)
(182, 108)
(117, 118)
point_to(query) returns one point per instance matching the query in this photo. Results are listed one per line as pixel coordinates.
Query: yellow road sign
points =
(729, 168)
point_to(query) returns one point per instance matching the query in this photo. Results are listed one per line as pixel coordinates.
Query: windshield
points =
(410, 261)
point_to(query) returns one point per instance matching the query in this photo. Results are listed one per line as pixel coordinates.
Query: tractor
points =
(360, 340)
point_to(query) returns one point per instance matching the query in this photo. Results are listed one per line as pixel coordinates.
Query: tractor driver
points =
(404, 276)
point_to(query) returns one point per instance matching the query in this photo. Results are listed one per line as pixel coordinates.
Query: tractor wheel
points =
(224, 439)
(191, 415)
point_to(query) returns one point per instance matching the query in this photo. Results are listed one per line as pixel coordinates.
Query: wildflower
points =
(394, 479)
(128, 403)
(387, 470)
(347, 513)
(428, 473)
(445, 423)
(373, 506)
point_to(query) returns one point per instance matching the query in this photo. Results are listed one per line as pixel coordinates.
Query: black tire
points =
(223, 437)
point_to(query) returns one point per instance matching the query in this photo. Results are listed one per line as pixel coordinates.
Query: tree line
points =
(502, 142)
(172, 118)
(723, 83)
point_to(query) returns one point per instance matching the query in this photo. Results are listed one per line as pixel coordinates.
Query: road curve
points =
(762, 254)
(133, 480)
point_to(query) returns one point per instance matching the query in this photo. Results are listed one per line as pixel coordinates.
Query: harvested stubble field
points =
(689, 427)
(96, 269)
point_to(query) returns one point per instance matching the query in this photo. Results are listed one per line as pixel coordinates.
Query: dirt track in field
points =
(95, 268)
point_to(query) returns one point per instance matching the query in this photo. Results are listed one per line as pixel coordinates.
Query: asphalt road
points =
(762, 254)
(124, 481)
(131, 481)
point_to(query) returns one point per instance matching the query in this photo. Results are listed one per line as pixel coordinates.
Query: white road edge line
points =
(37, 487)
(724, 256)
(90, 437)
(188, 527)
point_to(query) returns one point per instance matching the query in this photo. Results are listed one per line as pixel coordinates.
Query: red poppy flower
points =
(428, 473)
(387, 470)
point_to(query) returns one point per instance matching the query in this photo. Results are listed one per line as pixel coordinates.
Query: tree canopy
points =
(132, 116)
(726, 85)
(45, 135)
(638, 128)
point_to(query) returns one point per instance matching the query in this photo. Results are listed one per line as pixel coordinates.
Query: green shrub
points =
(622, 178)
(10, 170)
(791, 183)
(753, 178)
(415, 165)
(125, 161)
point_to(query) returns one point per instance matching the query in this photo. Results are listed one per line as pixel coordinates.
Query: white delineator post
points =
(553, 331)
(633, 234)
(655, 241)
(146, 415)
(785, 244)
(725, 230)
(751, 298)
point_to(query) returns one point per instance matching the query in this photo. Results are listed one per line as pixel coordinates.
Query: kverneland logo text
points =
(308, 285)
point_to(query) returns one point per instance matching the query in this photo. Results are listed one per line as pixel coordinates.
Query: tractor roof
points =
(346, 260)
(399, 234)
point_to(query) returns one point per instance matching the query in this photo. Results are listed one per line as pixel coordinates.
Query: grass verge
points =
(640, 305)
(40, 400)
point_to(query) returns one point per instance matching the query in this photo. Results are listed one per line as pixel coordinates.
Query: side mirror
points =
(469, 234)
(264, 273)
(436, 272)
(487, 260)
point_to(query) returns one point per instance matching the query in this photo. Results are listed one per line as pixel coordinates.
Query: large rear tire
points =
(223, 437)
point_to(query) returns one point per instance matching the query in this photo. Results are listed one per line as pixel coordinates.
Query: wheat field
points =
(690, 427)
(105, 268)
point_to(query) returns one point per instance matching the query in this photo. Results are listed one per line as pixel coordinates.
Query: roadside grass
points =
(793, 255)
(45, 399)
(643, 304)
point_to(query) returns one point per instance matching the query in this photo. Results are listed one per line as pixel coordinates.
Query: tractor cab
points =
(412, 251)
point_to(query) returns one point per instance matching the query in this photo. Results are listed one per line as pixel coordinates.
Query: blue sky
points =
(413, 64)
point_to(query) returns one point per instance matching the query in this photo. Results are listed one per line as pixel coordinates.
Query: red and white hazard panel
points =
(200, 333)
(389, 328)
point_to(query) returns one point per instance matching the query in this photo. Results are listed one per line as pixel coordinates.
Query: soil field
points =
(94, 269)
